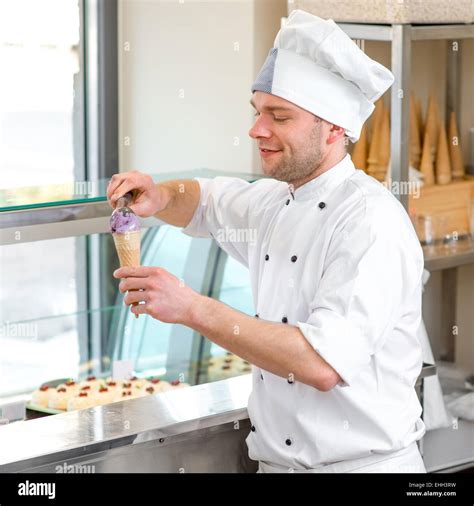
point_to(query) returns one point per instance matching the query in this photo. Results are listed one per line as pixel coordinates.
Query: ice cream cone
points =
(443, 165)
(457, 163)
(426, 164)
(432, 125)
(419, 118)
(384, 146)
(359, 153)
(415, 148)
(373, 158)
(128, 249)
(379, 107)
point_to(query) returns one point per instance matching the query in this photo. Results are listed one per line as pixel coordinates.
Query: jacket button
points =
(252, 428)
(256, 316)
(288, 442)
(287, 202)
(290, 381)
(261, 376)
(284, 319)
(322, 205)
(267, 257)
(294, 258)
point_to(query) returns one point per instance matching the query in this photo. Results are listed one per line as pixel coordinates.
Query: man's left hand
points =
(165, 297)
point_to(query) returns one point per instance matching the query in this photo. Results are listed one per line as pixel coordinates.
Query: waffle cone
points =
(359, 154)
(128, 248)
(419, 119)
(426, 164)
(432, 125)
(443, 165)
(415, 148)
(457, 163)
(374, 150)
(383, 156)
(377, 115)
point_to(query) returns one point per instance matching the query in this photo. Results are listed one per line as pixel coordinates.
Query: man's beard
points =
(302, 163)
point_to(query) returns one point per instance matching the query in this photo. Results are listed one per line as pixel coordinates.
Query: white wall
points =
(185, 71)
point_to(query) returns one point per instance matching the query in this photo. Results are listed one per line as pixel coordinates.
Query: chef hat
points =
(315, 65)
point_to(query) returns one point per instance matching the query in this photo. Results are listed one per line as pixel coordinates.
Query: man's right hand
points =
(148, 198)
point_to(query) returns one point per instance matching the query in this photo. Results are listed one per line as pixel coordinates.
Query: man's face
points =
(295, 138)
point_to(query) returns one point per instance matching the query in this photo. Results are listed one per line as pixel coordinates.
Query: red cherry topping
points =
(91, 378)
(155, 381)
(126, 385)
(133, 378)
(62, 389)
(150, 390)
(87, 387)
(44, 388)
(70, 383)
(175, 382)
(83, 394)
(111, 383)
(103, 389)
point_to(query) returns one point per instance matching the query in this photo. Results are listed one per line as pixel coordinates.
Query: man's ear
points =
(335, 133)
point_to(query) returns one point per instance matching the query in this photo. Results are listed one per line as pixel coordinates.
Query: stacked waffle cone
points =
(457, 163)
(379, 151)
(443, 165)
(433, 150)
(415, 143)
(359, 154)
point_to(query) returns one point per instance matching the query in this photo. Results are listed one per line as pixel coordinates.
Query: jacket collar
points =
(325, 182)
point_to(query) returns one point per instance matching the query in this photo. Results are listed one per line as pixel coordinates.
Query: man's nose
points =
(260, 128)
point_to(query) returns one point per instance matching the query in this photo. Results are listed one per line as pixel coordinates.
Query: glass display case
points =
(62, 314)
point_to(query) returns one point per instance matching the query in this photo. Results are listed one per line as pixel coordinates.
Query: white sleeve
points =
(224, 212)
(372, 273)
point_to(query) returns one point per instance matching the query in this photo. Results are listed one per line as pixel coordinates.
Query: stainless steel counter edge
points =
(132, 421)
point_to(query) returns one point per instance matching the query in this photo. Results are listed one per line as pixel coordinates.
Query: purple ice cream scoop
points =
(124, 220)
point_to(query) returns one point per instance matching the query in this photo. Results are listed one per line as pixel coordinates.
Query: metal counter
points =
(197, 429)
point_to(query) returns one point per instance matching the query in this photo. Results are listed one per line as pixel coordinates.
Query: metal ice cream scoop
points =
(124, 201)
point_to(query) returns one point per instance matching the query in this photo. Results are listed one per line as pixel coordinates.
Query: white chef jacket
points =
(338, 258)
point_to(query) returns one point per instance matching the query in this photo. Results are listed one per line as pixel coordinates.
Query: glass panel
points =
(47, 195)
(41, 142)
(47, 329)
(40, 109)
(42, 310)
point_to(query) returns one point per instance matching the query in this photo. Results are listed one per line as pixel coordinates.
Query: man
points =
(336, 267)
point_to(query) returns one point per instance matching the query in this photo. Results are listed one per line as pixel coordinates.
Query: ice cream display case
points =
(67, 328)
